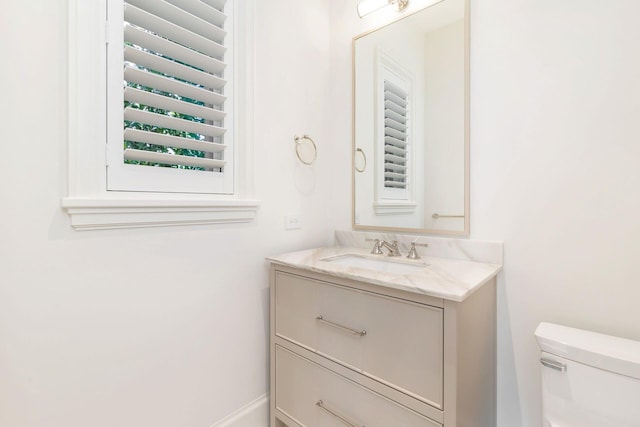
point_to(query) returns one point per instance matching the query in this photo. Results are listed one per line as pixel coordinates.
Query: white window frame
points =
(90, 205)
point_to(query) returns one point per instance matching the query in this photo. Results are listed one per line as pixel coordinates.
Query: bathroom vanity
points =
(365, 340)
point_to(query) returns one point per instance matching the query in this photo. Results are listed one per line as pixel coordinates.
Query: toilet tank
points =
(588, 379)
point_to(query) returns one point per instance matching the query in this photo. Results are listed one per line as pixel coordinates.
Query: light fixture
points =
(366, 7)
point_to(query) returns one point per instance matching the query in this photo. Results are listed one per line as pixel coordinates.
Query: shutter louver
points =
(174, 84)
(395, 136)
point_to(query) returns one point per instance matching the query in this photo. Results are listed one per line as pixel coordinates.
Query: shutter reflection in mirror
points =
(395, 136)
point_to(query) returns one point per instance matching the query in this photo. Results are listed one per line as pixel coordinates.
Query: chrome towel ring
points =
(306, 158)
(364, 161)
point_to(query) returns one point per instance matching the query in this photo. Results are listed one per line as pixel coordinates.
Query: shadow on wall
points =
(507, 383)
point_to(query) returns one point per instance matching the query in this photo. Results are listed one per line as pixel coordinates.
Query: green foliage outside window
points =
(155, 129)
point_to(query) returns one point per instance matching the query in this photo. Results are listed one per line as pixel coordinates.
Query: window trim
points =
(88, 202)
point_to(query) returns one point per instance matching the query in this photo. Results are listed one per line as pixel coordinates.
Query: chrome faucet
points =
(391, 247)
(379, 244)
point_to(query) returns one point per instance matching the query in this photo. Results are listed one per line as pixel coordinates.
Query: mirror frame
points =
(466, 230)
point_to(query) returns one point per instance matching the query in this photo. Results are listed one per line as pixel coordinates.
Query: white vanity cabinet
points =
(347, 352)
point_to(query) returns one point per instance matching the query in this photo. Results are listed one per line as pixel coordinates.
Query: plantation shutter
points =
(176, 59)
(395, 136)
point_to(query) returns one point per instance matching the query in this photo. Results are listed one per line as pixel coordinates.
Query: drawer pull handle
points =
(346, 422)
(344, 328)
(558, 366)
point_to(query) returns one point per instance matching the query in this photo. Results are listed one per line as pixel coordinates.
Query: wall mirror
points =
(411, 123)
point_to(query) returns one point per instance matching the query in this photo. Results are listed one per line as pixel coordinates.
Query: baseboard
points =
(253, 414)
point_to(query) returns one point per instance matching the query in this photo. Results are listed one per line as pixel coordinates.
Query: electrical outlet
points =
(292, 222)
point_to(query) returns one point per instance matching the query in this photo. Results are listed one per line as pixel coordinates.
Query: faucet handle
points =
(376, 246)
(413, 254)
(396, 248)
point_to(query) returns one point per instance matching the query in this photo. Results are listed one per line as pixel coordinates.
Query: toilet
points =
(588, 379)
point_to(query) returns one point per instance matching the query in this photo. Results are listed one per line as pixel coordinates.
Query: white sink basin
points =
(385, 265)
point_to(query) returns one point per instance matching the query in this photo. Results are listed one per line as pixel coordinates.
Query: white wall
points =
(151, 327)
(554, 168)
(554, 156)
(445, 135)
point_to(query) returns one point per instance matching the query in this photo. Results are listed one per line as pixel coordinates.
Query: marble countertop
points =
(451, 279)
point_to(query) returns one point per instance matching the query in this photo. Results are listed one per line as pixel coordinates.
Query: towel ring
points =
(299, 141)
(364, 158)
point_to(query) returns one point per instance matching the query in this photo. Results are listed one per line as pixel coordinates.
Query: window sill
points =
(107, 214)
(394, 208)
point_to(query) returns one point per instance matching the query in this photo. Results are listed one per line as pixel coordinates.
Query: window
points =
(156, 136)
(175, 58)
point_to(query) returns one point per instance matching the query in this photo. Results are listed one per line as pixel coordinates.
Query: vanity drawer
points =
(393, 341)
(314, 396)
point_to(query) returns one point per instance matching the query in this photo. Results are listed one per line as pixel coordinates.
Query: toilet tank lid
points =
(606, 352)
